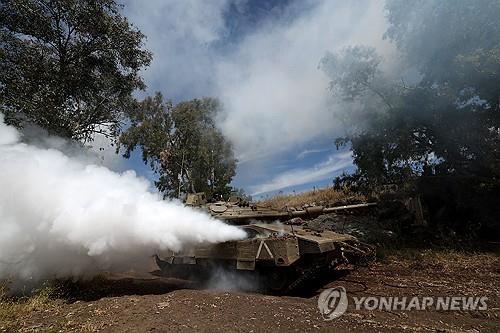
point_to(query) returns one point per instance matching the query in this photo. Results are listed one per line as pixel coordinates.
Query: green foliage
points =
(182, 144)
(356, 78)
(150, 129)
(352, 71)
(434, 36)
(69, 66)
(440, 137)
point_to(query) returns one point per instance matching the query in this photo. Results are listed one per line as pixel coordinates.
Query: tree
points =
(448, 41)
(440, 137)
(69, 66)
(357, 80)
(182, 144)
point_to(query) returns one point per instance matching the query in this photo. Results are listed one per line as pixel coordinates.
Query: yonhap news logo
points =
(333, 302)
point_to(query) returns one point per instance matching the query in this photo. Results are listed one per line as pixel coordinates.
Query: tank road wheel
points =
(275, 280)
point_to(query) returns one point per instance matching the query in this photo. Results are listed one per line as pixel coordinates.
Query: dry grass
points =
(444, 259)
(13, 309)
(325, 196)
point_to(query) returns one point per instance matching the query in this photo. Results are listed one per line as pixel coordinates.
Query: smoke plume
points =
(62, 216)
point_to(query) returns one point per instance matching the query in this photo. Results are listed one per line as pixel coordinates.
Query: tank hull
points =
(280, 257)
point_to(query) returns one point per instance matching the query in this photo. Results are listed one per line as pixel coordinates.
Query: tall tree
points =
(457, 43)
(441, 136)
(182, 144)
(69, 66)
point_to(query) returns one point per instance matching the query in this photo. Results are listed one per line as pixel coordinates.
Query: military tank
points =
(279, 257)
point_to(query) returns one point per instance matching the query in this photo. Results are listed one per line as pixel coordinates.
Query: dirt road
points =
(153, 304)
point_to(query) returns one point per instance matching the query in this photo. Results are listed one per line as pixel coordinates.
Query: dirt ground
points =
(148, 303)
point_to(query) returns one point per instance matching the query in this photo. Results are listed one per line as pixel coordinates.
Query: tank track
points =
(359, 253)
(305, 275)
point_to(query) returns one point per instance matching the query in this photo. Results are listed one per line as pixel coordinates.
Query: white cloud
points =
(296, 177)
(180, 34)
(307, 152)
(275, 96)
(276, 100)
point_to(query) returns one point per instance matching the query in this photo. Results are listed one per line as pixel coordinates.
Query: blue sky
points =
(260, 58)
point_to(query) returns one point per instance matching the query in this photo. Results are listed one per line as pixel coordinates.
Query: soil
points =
(149, 303)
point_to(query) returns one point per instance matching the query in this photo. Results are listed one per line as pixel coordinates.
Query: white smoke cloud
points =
(63, 217)
(101, 150)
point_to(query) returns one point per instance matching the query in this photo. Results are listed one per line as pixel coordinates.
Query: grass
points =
(14, 308)
(51, 295)
(325, 196)
(442, 259)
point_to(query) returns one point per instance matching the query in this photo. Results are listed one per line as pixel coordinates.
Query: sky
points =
(260, 58)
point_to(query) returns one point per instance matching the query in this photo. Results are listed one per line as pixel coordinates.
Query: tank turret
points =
(239, 211)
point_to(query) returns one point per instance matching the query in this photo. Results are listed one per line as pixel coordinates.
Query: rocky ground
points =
(148, 303)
